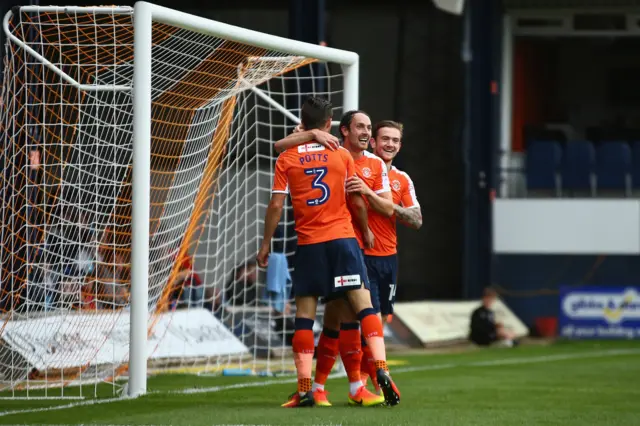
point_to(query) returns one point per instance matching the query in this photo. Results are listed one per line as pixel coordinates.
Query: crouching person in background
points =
(484, 328)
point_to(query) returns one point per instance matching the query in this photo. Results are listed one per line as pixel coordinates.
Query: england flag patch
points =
(347, 281)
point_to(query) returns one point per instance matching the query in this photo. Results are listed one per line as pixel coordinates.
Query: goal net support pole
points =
(144, 14)
(141, 190)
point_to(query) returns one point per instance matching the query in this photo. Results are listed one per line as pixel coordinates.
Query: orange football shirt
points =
(315, 179)
(384, 228)
(372, 170)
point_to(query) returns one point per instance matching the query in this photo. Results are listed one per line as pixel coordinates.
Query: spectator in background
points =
(34, 160)
(213, 300)
(187, 285)
(242, 289)
(115, 278)
(34, 196)
(484, 328)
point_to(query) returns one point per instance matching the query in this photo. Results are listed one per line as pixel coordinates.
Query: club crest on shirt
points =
(366, 172)
(395, 185)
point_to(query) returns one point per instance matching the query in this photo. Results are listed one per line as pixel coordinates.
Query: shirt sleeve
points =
(381, 184)
(408, 198)
(351, 165)
(280, 182)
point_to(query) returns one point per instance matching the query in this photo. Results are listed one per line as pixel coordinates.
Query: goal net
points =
(220, 97)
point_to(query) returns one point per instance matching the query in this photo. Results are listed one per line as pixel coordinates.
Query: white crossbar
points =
(66, 77)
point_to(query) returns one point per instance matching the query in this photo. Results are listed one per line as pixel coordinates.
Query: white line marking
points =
(40, 398)
(497, 362)
(62, 407)
(558, 357)
(516, 361)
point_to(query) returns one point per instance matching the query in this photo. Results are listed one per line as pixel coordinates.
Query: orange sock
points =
(381, 364)
(304, 385)
(350, 350)
(303, 346)
(372, 332)
(326, 354)
(368, 365)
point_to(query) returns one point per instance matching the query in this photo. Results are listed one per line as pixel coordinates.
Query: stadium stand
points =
(635, 164)
(542, 164)
(602, 168)
(613, 167)
(577, 170)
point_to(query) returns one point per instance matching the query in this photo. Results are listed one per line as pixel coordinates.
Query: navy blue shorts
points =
(329, 269)
(382, 272)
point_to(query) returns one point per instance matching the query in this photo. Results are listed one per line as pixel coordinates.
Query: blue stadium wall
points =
(529, 273)
(529, 284)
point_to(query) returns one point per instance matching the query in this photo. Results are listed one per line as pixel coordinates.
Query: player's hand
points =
(355, 185)
(369, 239)
(326, 139)
(298, 129)
(263, 256)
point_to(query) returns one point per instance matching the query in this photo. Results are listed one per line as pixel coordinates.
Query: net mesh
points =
(66, 200)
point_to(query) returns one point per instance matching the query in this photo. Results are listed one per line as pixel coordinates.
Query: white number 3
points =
(392, 293)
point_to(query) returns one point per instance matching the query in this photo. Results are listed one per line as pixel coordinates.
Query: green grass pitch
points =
(586, 383)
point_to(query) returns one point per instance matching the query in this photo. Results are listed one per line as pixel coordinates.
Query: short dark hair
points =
(347, 118)
(386, 123)
(315, 112)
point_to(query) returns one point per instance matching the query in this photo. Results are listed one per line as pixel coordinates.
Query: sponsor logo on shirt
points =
(310, 147)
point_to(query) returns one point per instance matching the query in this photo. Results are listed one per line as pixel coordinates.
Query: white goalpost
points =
(138, 158)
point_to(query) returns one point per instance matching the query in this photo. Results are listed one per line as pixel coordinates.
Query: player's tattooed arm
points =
(412, 216)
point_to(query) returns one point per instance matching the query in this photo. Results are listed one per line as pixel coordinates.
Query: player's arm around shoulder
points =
(379, 197)
(409, 212)
(294, 139)
(300, 137)
(383, 190)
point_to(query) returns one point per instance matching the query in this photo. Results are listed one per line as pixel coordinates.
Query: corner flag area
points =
(591, 383)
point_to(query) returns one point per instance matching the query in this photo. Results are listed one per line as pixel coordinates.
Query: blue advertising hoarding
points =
(599, 312)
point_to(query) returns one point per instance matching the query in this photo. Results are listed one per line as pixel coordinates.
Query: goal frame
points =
(144, 14)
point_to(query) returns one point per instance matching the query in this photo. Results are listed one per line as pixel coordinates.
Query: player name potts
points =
(308, 158)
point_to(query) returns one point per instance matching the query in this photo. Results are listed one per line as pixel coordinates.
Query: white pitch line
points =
(558, 357)
(62, 407)
(498, 362)
(40, 398)
(516, 361)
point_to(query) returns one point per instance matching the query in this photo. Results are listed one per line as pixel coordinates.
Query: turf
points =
(593, 383)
